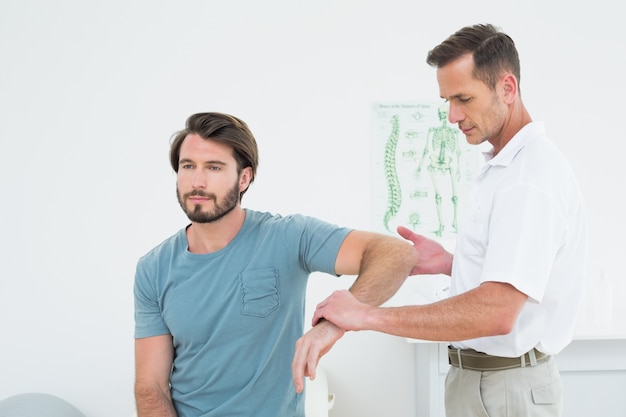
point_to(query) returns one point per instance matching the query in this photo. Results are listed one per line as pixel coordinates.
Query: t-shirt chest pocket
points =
(259, 291)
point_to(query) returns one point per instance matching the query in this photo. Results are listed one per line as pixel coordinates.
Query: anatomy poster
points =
(423, 169)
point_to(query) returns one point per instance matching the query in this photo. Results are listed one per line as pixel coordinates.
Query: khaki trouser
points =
(531, 391)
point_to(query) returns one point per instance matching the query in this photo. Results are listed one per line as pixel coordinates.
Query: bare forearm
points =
(153, 403)
(467, 316)
(385, 265)
(431, 322)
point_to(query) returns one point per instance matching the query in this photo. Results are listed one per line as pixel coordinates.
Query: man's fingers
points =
(312, 366)
(317, 317)
(297, 368)
(304, 363)
(404, 232)
(408, 234)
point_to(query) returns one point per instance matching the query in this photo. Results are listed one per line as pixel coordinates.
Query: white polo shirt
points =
(525, 226)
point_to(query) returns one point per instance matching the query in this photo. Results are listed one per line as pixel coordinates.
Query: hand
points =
(309, 350)
(343, 310)
(432, 257)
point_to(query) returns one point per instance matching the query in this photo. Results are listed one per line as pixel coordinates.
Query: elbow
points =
(149, 391)
(143, 390)
(502, 329)
(503, 324)
(503, 309)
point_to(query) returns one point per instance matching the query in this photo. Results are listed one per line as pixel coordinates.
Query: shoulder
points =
(541, 149)
(257, 218)
(535, 158)
(292, 226)
(168, 246)
(548, 167)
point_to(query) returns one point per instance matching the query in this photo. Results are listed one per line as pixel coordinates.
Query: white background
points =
(90, 93)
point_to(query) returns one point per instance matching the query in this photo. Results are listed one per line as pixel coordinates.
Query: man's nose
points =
(455, 115)
(198, 180)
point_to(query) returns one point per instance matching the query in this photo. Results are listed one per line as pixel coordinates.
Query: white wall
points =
(90, 93)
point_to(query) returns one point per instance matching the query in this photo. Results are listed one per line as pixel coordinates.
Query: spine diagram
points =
(391, 174)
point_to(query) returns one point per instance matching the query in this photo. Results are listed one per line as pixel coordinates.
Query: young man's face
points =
(479, 111)
(208, 184)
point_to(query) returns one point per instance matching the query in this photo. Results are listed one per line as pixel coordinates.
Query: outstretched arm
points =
(488, 310)
(382, 264)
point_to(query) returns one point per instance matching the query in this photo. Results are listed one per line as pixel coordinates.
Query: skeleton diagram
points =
(443, 154)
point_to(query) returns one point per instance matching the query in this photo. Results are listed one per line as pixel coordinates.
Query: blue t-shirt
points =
(235, 314)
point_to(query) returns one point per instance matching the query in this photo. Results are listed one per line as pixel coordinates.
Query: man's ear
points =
(245, 178)
(509, 87)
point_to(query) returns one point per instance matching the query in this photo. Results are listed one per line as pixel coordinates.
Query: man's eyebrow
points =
(215, 162)
(210, 162)
(459, 95)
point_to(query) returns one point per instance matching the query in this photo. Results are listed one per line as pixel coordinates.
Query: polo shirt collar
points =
(517, 142)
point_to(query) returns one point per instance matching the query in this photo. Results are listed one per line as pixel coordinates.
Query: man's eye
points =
(465, 99)
(186, 166)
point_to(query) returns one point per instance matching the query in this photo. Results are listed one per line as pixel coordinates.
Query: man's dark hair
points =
(494, 52)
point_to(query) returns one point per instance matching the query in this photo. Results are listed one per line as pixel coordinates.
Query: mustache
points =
(200, 193)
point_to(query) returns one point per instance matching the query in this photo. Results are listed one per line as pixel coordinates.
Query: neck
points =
(518, 118)
(211, 237)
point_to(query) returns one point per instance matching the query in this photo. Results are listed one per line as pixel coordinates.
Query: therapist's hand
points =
(309, 350)
(344, 310)
(432, 257)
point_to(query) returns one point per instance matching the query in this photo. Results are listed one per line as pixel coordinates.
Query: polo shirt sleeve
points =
(525, 233)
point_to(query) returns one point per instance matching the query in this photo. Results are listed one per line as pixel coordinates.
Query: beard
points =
(498, 111)
(220, 209)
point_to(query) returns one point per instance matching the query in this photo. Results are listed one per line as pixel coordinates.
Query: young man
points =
(219, 305)
(517, 272)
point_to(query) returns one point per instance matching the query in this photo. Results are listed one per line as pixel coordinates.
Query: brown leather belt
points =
(478, 361)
